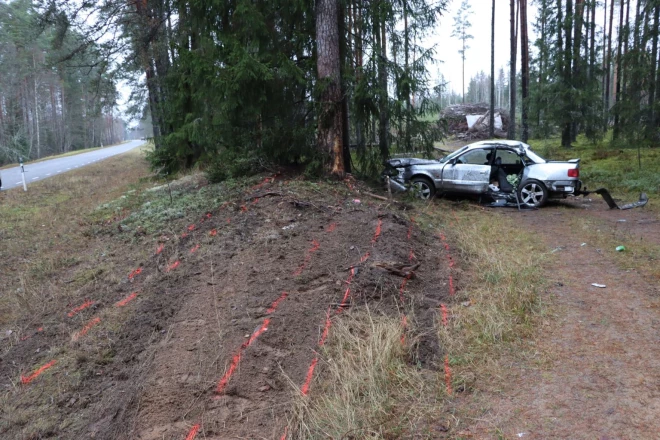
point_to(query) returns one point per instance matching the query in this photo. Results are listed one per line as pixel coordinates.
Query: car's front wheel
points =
(423, 187)
(532, 193)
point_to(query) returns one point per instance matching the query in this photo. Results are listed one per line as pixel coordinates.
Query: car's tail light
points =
(575, 172)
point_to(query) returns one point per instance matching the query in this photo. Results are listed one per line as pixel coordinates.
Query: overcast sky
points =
(477, 58)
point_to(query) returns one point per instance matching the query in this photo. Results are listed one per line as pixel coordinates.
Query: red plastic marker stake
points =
(26, 380)
(86, 328)
(378, 231)
(213, 232)
(195, 249)
(173, 266)
(160, 249)
(135, 273)
(80, 308)
(126, 300)
(193, 432)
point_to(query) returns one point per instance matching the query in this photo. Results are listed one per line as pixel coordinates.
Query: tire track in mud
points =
(315, 246)
(101, 309)
(177, 277)
(222, 384)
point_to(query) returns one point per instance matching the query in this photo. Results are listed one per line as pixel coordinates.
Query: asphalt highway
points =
(11, 177)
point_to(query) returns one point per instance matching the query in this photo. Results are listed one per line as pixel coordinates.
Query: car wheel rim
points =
(423, 190)
(532, 194)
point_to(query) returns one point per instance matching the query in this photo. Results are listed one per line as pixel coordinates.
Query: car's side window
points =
(474, 157)
(508, 157)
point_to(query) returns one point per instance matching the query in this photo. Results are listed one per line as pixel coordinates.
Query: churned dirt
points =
(208, 330)
(594, 372)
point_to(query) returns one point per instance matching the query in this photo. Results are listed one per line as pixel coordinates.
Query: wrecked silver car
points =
(500, 169)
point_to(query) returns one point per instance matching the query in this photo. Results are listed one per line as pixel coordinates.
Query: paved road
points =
(11, 177)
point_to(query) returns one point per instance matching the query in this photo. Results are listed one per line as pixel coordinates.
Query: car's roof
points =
(499, 143)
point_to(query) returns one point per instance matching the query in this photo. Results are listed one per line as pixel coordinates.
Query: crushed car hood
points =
(408, 161)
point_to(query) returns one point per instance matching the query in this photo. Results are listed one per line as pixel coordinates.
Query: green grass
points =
(603, 165)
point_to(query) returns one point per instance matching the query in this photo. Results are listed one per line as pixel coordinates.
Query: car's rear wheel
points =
(423, 187)
(532, 193)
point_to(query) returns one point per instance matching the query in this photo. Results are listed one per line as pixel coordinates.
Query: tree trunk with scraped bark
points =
(330, 130)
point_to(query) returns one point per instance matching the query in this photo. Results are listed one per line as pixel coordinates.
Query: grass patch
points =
(43, 230)
(640, 255)
(369, 390)
(499, 299)
(603, 165)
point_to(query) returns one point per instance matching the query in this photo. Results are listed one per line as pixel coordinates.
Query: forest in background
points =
(331, 85)
(56, 93)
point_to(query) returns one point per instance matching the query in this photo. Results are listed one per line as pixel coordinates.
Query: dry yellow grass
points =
(369, 390)
(42, 230)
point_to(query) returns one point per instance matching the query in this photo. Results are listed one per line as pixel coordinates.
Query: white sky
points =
(477, 58)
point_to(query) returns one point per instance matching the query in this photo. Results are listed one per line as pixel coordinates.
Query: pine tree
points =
(461, 31)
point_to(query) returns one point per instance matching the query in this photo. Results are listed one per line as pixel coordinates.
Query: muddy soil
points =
(225, 318)
(595, 369)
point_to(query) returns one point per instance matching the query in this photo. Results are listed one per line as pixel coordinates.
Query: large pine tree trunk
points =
(567, 83)
(617, 97)
(524, 69)
(381, 56)
(576, 78)
(654, 61)
(608, 70)
(330, 133)
(512, 73)
(491, 122)
(345, 57)
(592, 45)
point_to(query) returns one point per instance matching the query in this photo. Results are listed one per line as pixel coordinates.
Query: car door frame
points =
(465, 177)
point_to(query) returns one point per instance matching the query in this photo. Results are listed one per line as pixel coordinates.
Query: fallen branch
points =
(265, 194)
(402, 204)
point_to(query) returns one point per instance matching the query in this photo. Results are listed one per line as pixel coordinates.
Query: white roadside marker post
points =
(23, 174)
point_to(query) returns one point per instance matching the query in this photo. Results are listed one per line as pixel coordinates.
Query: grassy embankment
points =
(370, 389)
(41, 230)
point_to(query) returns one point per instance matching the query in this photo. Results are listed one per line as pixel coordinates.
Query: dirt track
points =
(595, 373)
(213, 334)
(210, 329)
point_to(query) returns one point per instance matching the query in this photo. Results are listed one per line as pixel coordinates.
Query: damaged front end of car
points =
(398, 172)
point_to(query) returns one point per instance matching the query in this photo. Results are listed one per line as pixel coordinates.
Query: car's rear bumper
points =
(564, 187)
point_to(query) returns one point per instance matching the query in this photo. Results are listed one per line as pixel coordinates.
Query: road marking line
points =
(59, 171)
(18, 183)
(68, 169)
(48, 174)
(34, 178)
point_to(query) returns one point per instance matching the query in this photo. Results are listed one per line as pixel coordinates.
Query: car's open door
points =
(468, 173)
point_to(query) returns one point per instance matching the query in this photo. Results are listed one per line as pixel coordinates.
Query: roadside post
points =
(20, 160)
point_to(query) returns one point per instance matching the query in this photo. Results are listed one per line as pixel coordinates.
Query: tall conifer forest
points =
(332, 86)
